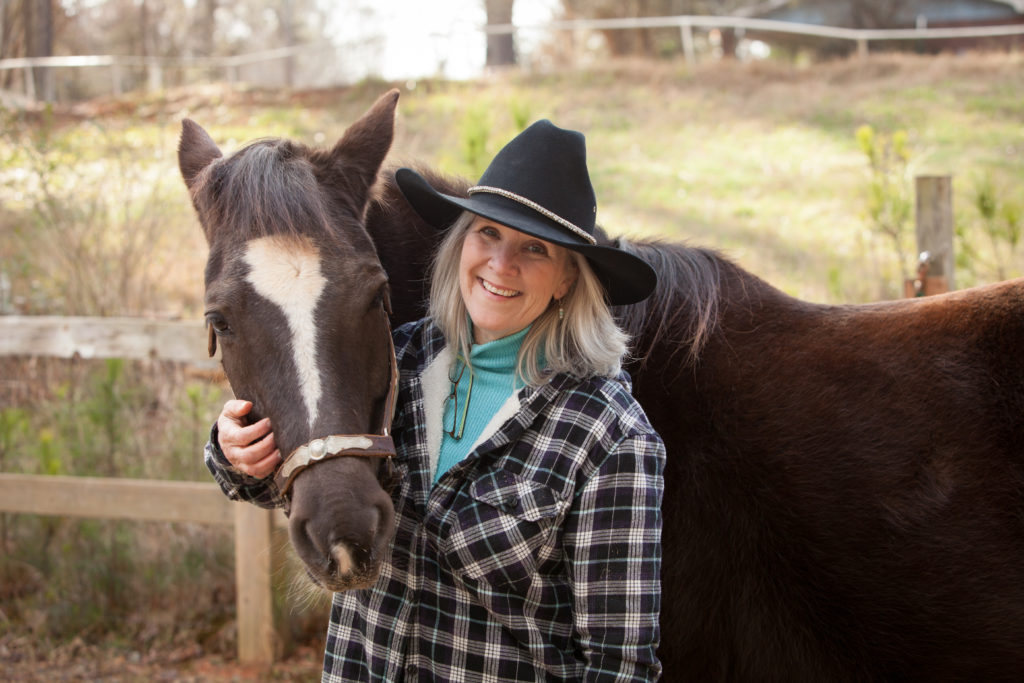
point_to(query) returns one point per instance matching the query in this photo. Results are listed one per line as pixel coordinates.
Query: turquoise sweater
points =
(491, 370)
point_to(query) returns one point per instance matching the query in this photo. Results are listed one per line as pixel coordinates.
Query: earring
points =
(561, 311)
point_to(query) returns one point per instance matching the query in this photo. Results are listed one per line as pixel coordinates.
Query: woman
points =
(528, 541)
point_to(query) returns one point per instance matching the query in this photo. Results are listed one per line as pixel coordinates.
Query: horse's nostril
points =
(309, 532)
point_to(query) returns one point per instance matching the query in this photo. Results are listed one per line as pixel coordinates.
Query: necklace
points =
(458, 422)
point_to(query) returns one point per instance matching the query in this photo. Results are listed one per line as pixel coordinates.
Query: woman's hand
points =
(251, 450)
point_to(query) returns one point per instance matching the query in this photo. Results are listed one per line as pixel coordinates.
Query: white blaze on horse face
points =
(286, 270)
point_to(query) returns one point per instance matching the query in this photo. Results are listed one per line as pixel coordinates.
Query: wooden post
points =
(934, 230)
(115, 78)
(252, 578)
(155, 77)
(686, 31)
(30, 84)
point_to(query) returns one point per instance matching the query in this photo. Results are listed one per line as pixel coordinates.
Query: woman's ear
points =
(572, 273)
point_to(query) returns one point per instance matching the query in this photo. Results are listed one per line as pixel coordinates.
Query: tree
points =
(501, 49)
(12, 37)
(39, 43)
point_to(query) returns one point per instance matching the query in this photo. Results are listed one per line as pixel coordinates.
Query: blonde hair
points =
(585, 343)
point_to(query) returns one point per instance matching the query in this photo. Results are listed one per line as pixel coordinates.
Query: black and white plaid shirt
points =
(536, 558)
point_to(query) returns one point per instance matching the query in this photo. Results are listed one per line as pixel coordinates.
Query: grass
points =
(758, 160)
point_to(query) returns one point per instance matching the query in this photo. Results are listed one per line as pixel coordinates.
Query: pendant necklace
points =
(458, 421)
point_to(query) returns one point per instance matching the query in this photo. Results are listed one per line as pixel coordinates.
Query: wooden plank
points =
(256, 637)
(934, 226)
(88, 337)
(108, 498)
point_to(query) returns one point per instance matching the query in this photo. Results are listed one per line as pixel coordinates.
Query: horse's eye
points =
(218, 322)
(381, 298)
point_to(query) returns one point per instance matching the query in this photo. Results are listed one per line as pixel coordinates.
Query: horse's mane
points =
(387, 199)
(683, 310)
(268, 187)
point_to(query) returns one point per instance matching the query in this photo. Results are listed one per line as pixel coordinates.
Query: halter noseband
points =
(342, 445)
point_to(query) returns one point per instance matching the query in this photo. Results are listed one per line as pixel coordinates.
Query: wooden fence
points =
(155, 67)
(141, 499)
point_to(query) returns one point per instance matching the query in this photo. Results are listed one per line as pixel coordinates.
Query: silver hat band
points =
(536, 207)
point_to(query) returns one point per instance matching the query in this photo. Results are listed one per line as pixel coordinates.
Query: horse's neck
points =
(700, 294)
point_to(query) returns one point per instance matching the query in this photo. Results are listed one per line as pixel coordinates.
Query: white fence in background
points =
(343, 64)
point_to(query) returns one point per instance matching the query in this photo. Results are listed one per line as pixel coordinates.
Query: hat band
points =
(536, 207)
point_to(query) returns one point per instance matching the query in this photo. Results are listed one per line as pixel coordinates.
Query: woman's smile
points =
(499, 291)
(508, 278)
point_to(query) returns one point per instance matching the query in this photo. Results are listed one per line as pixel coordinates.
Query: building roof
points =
(791, 10)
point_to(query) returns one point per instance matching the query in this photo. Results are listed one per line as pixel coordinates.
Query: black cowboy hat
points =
(538, 184)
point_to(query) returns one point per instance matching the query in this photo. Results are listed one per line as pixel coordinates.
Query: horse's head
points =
(296, 298)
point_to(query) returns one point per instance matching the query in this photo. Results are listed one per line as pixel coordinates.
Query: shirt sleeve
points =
(238, 485)
(613, 545)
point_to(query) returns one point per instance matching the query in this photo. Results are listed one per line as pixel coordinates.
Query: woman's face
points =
(508, 278)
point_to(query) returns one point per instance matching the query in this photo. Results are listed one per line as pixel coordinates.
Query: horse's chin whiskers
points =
(305, 592)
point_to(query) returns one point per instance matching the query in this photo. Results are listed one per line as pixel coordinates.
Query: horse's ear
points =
(196, 150)
(360, 152)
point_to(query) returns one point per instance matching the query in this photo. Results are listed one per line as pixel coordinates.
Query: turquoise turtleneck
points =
(492, 373)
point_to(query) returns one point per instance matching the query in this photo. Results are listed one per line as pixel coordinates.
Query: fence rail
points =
(144, 499)
(88, 337)
(685, 23)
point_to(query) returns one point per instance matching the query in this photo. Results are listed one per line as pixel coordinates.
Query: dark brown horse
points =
(845, 484)
(297, 300)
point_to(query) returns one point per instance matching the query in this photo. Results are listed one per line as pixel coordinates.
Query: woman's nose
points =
(503, 259)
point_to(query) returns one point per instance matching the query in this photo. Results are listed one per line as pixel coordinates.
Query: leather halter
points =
(344, 445)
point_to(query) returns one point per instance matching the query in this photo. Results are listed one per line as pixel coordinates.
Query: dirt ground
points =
(78, 661)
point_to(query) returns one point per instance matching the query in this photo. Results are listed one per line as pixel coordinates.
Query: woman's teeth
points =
(498, 290)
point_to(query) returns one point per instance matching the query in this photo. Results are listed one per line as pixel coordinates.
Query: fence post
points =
(686, 31)
(155, 77)
(115, 78)
(30, 83)
(934, 230)
(252, 579)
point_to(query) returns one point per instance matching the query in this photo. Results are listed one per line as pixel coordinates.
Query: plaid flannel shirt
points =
(536, 558)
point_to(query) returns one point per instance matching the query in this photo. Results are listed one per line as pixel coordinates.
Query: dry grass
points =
(759, 160)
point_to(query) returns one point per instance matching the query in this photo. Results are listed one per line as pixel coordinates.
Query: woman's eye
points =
(537, 249)
(488, 232)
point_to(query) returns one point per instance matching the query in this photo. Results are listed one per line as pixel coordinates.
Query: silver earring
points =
(561, 311)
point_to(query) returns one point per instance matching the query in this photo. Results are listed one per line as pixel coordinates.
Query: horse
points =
(298, 302)
(844, 483)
